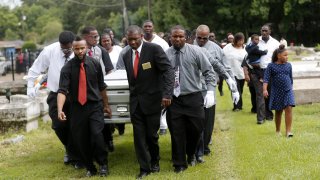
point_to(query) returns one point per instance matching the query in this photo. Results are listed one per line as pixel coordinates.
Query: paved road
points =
(8, 77)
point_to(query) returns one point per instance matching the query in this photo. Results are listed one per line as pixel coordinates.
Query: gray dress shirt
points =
(216, 52)
(192, 62)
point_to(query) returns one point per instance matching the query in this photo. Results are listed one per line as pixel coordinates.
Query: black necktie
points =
(176, 91)
(66, 59)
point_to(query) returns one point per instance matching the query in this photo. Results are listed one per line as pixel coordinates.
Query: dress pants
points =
(203, 146)
(185, 117)
(252, 97)
(61, 128)
(261, 103)
(145, 133)
(240, 84)
(87, 123)
(220, 84)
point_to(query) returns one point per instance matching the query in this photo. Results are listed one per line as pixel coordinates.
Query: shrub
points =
(31, 46)
(317, 48)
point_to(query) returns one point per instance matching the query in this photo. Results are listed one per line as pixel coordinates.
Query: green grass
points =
(241, 150)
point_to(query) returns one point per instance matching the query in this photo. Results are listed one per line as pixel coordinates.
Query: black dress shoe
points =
(269, 118)
(104, 170)
(155, 168)
(200, 159)
(207, 152)
(192, 160)
(91, 173)
(110, 146)
(79, 165)
(179, 169)
(142, 174)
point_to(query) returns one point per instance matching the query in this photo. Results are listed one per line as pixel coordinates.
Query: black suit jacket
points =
(154, 81)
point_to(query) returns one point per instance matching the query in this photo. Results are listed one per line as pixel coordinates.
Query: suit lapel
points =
(128, 61)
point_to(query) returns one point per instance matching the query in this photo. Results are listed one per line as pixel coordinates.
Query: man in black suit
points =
(151, 79)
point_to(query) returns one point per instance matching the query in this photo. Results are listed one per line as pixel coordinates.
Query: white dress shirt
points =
(270, 45)
(161, 42)
(52, 59)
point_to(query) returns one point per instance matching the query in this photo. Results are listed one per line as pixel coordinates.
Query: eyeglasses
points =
(211, 36)
(203, 38)
(264, 30)
(66, 50)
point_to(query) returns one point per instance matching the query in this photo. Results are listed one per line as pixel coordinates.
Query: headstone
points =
(21, 113)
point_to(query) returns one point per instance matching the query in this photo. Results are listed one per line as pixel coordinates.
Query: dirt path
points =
(224, 151)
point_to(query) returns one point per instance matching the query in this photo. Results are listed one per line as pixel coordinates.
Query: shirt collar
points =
(183, 49)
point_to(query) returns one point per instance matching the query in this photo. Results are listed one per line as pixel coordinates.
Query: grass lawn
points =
(241, 149)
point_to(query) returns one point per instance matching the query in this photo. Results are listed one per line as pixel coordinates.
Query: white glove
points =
(232, 84)
(209, 99)
(235, 97)
(33, 91)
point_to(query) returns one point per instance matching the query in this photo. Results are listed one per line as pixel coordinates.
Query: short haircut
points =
(178, 27)
(253, 36)
(87, 30)
(78, 38)
(147, 21)
(134, 29)
(66, 37)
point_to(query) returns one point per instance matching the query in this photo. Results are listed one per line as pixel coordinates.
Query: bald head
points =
(202, 35)
(203, 28)
(134, 29)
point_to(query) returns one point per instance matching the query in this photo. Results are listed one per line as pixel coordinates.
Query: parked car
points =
(118, 96)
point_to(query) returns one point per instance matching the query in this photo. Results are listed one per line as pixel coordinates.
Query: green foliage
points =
(31, 46)
(166, 14)
(51, 31)
(8, 20)
(317, 48)
(115, 21)
(297, 20)
(11, 35)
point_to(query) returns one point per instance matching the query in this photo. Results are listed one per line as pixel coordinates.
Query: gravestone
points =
(20, 113)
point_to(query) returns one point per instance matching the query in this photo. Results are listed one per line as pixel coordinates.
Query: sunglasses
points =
(203, 38)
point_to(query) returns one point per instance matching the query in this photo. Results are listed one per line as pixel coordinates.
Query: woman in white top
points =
(113, 50)
(234, 54)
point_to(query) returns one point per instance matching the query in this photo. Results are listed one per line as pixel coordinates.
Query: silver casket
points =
(118, 96)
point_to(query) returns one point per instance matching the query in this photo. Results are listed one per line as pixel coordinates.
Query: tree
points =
(11, 35)
(8, 20)
(51, 31)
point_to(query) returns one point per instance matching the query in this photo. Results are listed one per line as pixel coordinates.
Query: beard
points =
(265, 38)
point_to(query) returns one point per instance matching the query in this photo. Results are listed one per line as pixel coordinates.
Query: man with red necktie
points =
(82, 79)
(150, 76)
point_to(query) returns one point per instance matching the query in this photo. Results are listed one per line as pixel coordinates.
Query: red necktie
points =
(82, 90)
(90, 53)
(136, 65)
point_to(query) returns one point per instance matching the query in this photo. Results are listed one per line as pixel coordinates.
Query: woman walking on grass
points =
(279, 75)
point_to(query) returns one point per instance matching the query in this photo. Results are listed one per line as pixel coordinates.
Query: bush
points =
(317, 48)
(31, 46)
